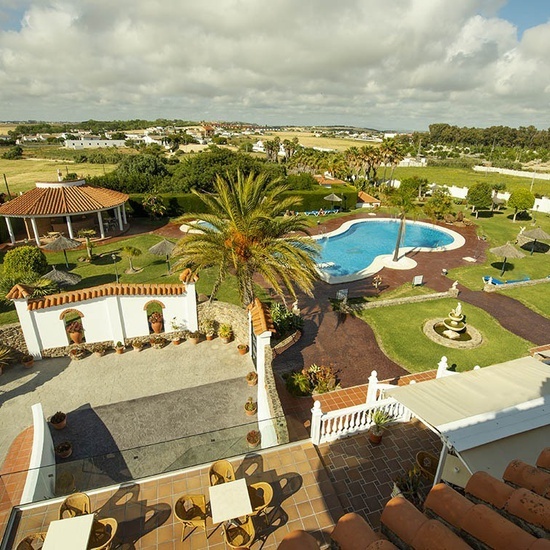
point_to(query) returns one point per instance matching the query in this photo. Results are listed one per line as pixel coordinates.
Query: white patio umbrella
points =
(508, 251)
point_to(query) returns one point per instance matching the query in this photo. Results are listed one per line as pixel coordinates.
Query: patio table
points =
(229, 500)
(69, 533)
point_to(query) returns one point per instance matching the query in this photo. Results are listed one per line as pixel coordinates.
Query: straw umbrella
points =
(62, 278)
(163, 248)
(508, 251)
(62, 243)
(536, 234)
(333, 198)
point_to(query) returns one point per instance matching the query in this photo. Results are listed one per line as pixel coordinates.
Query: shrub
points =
(285, 321)
(24, 261)
(75, 326)
(155, 317)
(315, 379)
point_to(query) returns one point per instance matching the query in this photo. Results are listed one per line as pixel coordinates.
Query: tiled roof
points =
(58, 201)
(261, 318)
(20, 291)
(366, 198)
(322, 180)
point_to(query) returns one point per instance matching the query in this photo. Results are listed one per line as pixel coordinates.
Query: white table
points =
(229, 500)
(69, 533)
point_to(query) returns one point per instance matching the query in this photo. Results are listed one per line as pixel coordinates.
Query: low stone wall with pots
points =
(231, 314)
(451, 293)
(11, 336)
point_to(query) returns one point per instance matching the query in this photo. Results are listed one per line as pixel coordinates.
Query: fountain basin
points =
(468, 339)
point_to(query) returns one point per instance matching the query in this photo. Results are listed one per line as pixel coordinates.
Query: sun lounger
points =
(494, 281)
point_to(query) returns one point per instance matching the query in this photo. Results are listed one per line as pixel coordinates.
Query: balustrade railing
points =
(343, 422)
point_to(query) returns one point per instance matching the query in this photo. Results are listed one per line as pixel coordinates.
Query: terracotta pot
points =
(210, 337)
(119, 350)
(253, 445)
(252, 382)
(65, 454)
(242, 349)
(194, 341)
(375, 439)
(176, 341)
(157, 327)
(76, 337)
(28, 364)
(59, 425)
(251, 413)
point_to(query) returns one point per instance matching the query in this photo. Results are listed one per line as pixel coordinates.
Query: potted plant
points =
(77, 353)
(6, 355)
(225, 332)
(380, 419)
(156, 319)
(99, 349)
(75, 331)
(64, 450)
(252, 378)
(250, 407)
(119, 347)
(253, 438)
(176, 339)
(194, 337)
(408, 485)
(242, 348)
(137, 345)
(28, 361)
(58, 420)
(209, 329)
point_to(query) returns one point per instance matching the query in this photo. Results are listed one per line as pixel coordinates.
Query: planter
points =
(375, 438)
(58, 420)
(253, 438)
(64, 450)
(252, 378)
(119, 350)
(137, 348)
(176, 341)
(210, 337)
(242, 348)
(76, 337)
(157, 327)
(250, 408)
(28, 361)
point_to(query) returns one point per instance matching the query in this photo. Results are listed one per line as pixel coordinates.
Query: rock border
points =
(429, 331)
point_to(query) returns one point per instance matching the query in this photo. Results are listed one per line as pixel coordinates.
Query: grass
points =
(308, 139)
(415, 352)
(463, 177)
(536, 298)
(24, 173)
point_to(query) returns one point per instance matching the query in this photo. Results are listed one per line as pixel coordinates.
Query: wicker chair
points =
(261, 495)
(195, 514)
(239, 536)
(31, 542)
(103, 533)
(427, 463)
(220, 472)
(76, 504)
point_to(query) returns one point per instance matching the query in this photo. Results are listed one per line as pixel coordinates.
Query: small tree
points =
(154, 206)
(131, 252)
(521, 200)
(13, 153)
(439, 204)
(87, 234)
(480, 197)
(24, 261)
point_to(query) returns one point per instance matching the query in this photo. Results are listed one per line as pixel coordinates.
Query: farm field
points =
(308, 139)
(24, 173)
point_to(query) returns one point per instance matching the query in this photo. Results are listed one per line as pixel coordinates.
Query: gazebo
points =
(56, 207)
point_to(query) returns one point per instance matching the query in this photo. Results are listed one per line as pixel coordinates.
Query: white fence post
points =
(316, 414)
(372, 389)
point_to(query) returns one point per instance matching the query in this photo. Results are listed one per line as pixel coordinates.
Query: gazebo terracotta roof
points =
(165, 289)
(62, 200)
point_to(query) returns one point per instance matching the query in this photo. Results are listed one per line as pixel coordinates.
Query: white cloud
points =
(401, 64)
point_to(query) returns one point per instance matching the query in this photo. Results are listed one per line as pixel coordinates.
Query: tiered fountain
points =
(454, 324)
(452, 331)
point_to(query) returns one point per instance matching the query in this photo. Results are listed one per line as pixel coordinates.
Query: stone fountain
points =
(454, 323)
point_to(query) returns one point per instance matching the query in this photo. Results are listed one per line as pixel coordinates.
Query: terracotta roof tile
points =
(58, 201)
(402, 518)
(98, 291)
(490, 528)
(447, 504)
(381, 545)
(298, 540)
(322, 180)
(365, 197)
(531, 508)
(543, 460)
(488, 489)
(433, 534)
(520, 474)
(354, 533)
(540, 544)
(19, 291)
(261, 318)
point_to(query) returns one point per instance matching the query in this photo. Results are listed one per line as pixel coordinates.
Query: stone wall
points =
(231, 314)
(11, 336)
(451, 293)
(493, 288)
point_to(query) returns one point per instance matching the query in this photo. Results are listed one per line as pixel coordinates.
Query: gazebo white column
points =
(100, 221)
(124, 213)
(119, 218)
(70, 227)
(35, 230)
(10, 231)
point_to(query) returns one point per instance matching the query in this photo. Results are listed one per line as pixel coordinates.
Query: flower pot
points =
(176, 341)
(119, 350)
(242, 349)
(253, 444)
(65, 453)
(210, 337)
(76, 337)
(253, 439)
(59, 425)
(251, 412)
(28, 363)
(137, 348)
(252, 381)
(375, 438)
(157, 327)
(225, 339)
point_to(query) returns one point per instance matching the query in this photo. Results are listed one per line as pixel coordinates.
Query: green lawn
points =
(399, 333)
(536, 297)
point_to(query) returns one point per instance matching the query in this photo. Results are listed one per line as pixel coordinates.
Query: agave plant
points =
(6, 355)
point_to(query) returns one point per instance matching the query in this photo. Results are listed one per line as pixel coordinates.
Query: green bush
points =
(297, 384)
(25, 260)
(285, 321)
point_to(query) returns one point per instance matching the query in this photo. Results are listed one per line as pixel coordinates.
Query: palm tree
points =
(131, 252)
(403, 200)
(247, 235)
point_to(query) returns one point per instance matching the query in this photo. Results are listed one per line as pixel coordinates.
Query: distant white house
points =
(86, 143)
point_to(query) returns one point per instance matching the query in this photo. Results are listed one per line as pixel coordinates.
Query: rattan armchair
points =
(191, 511)
(31, 542)
(261, 495)
(103, 533)
(220, 472)
(239, 536)
(427, 463)
(76, 504)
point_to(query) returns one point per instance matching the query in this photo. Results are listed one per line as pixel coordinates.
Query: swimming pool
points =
(360, 248)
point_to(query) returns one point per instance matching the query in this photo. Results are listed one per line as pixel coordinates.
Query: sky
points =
(385, 64)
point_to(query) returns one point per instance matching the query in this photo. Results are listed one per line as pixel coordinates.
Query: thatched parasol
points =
(333, 198)
(62, 243)
(508, 251)
(62, 278)
(163, 248)
(536, 234)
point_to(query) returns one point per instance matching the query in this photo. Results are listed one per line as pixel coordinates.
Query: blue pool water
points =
(355, 249)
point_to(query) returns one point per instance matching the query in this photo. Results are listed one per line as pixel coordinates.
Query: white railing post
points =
(442, 367)
(372, 389)
(316, 414)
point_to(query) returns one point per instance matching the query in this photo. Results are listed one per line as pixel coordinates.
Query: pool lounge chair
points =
(494, 281)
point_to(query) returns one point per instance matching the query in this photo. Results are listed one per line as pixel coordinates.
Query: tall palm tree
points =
(246, 236)
(403, 200)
